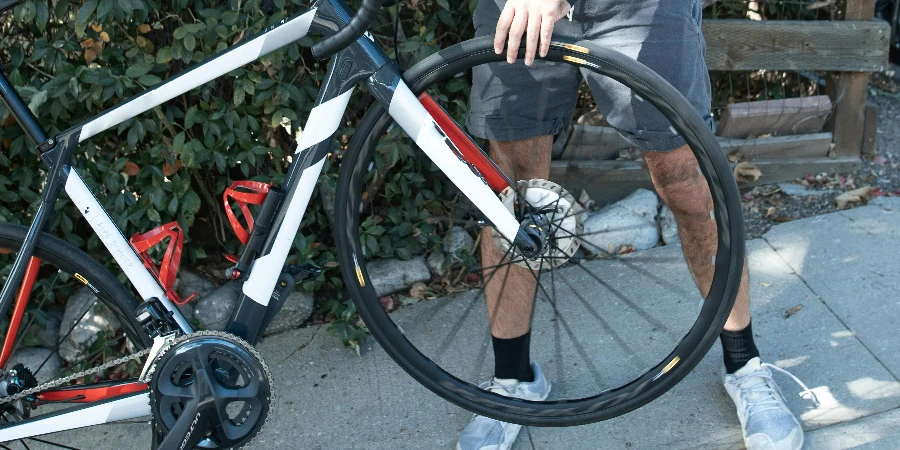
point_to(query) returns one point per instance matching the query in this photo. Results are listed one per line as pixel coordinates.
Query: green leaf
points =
(42, 15)
(164, 55)
(190, 204)
(138, 70)
(189, 42)
(149, 79)
(153, 215)
(84, 14)
(37, 100)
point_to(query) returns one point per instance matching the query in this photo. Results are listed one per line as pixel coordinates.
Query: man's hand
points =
(535, 19)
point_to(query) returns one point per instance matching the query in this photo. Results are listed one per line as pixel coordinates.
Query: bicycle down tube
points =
(363, 60)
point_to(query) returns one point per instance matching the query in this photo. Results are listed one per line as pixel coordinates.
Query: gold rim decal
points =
(359, 276)
(80, 278)
(668, 367)
(574, 60)
(572, 47)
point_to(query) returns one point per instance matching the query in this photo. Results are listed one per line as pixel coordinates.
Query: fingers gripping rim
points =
(729, 260)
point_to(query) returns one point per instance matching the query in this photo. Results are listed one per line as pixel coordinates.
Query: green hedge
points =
(71, 60)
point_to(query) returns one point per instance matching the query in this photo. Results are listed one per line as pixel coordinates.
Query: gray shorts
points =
(512, 102)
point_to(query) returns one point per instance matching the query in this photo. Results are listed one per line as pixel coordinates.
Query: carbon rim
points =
(604, 405)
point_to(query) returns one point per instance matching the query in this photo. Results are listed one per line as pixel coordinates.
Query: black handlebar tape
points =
(368, 11)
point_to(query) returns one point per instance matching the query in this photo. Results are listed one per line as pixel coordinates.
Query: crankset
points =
(209, 390)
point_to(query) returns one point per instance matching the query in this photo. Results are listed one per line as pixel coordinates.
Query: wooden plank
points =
(852, 46)
(619, 178)
(786, 169)
(594, 142)
(610, 181)
(870, 130)
(848, 90)
(848, 93)
(786, 116)
(582, 145)
(804, 145)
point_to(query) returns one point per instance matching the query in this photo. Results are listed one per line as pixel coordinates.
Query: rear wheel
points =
(78, 316)
(612, 327)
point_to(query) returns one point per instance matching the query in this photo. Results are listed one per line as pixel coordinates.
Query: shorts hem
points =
(496, 129)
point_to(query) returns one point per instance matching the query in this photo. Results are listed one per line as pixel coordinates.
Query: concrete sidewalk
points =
(842, 268)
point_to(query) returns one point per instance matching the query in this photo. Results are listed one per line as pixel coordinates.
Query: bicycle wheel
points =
(78, 316)
(613, 328)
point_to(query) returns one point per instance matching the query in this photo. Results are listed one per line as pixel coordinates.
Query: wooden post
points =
(848, 90)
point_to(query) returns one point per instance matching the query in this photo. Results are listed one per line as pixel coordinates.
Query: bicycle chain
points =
(64, 380)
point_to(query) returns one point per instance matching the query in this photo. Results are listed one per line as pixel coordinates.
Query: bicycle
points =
(190, 379)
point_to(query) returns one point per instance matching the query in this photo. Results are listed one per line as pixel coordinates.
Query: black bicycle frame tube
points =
(20, 111)
(350, 66)
(55, 181)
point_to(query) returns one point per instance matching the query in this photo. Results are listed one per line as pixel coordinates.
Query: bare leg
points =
(510, 291)
(685, 191)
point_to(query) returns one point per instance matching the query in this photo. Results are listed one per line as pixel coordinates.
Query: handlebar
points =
(325, 48)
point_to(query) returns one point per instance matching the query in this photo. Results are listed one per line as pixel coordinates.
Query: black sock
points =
(738, 348)
(512, 357)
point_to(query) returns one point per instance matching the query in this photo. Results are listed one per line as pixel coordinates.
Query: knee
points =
(678, 181)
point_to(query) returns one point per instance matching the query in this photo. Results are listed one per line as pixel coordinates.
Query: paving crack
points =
(833, 313)
(304, 345)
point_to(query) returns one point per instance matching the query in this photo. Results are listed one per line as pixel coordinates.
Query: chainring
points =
(220, 371)
(560, 211)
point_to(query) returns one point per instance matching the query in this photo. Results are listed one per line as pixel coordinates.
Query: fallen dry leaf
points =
(418, 291)
(856, 195)
(143, 28)
(746, 172)
(96, 27)
(765, 284)
(793, 310)
(770, 211)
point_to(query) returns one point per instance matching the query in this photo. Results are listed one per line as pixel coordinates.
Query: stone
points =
(46, 328)
(190, 282)
(437, 263)
(616, 229)
(668, 228)
(187, 310)
(87, 318)
(296, 310)
(642, 202)
(213, 310)
(33, 358)
(392, 275)
(798, 190)
(458, 240)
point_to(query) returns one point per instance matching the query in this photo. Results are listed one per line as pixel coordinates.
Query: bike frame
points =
(421, 118)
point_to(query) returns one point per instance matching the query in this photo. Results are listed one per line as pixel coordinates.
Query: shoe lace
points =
(767, 400)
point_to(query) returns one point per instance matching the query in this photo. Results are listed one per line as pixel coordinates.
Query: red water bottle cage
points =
(168, 269)
(256, 196)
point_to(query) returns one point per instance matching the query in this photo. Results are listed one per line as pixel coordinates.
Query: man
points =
(521, 109)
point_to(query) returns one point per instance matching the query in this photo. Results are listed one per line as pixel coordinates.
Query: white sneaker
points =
(484, 433)
(766, 421)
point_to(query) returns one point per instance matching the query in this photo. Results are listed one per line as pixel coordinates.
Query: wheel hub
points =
(552, 218)
(209, 390)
